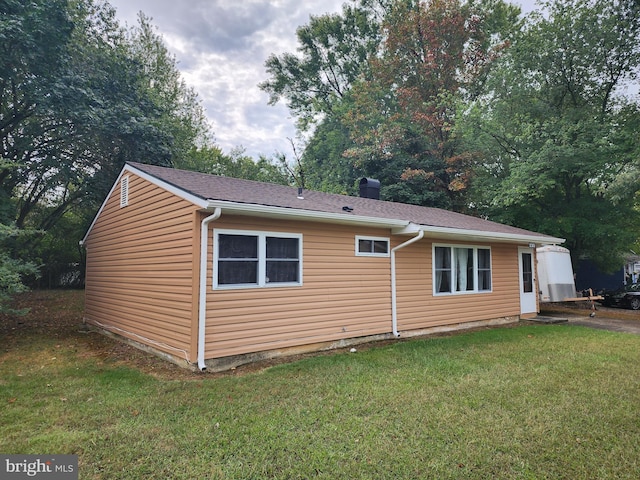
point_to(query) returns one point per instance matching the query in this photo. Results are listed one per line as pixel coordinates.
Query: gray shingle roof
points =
(213, 187)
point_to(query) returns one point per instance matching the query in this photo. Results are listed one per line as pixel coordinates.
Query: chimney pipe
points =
(370, 188)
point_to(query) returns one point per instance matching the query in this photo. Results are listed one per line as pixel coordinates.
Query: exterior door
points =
(528, 293)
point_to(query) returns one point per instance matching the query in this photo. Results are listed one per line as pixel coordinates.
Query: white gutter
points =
(202, 299)
(478, 235)
(394, 312)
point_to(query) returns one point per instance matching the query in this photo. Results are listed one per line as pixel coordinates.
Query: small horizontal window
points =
(372, 246)
(256, 259)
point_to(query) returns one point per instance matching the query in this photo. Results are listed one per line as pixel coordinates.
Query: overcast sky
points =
(221, 47)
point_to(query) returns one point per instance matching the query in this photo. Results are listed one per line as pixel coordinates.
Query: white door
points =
(528, 294)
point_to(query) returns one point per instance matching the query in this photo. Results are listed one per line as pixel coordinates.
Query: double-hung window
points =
(244, 259)
(461, 269)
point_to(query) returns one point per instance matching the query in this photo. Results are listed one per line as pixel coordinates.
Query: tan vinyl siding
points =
(140, 268)
(418, 308)
(342, 295)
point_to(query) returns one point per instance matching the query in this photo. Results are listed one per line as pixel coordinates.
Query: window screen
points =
(458, 269)
(257, 259)
(237, 259)
(373, 247)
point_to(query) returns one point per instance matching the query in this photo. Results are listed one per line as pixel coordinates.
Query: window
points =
(484, 269)
(124, 191)
(527, 273)
(461, 269)
(372, 246)
(256, 259)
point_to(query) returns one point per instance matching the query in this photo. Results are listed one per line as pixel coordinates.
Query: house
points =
(212, 272)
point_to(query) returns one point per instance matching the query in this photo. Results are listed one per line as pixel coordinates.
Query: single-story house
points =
(212, 272)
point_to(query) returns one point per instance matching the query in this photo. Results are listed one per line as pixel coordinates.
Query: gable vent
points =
(124, 191)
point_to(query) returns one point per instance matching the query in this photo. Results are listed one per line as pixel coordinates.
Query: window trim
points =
(375, 239)
(475, 249)
(262, 258)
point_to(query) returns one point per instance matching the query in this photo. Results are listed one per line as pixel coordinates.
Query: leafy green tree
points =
(361, 80)
(180, 111)
(80, 96)
(435, 58)
(333, 52)
(210, 159)
(35, 37)
(323, 163)
(560, 137)
(12, 271)
(71, 111)
(334, 49)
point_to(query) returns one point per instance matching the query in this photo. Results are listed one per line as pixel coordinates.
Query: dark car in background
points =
(625, 297)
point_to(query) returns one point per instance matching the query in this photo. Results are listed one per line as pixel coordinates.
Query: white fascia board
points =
(308, 215)
(478, 235)
(167, 186)
(200, 202)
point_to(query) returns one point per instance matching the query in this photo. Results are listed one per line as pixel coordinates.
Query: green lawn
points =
(532, 402)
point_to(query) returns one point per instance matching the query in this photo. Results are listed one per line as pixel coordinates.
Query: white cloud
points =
(221, 47)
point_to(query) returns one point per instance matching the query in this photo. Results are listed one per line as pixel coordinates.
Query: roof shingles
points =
(213, 187)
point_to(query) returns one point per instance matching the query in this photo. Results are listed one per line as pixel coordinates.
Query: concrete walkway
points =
(617, 320)
(613, 324)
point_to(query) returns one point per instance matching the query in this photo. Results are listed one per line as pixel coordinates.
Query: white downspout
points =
(394, 313)
(202, 299)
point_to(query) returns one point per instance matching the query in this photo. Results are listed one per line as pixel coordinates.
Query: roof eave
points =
(448, 233)
(399, 227)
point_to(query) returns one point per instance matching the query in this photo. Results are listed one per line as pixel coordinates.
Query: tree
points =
(211, 159)
(342, 83)
(323, 163)
(559, 136)
(71, 112)
(12, 271)
(79, 97)
(334, 51)
(434, 59)
(179, 108)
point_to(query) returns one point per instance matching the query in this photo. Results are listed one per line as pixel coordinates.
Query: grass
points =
(531, 402)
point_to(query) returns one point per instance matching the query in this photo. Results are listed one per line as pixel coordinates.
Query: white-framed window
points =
(124, 191)
(250, 259)
(459, 269)
(372, 246)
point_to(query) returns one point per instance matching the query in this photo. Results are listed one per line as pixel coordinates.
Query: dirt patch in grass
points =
(54, 323)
